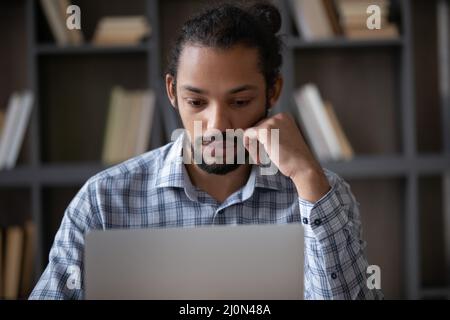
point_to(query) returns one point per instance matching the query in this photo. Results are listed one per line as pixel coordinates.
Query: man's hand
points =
(294, 159)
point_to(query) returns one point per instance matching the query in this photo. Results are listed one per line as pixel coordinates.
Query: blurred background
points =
(75, 101)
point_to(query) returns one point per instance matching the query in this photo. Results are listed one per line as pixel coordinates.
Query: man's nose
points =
(219, 118)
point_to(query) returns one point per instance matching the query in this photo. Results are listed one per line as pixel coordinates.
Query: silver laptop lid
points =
(223, 262)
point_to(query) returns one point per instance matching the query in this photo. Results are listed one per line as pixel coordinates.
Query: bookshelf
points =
(386, 94)
(391, 102)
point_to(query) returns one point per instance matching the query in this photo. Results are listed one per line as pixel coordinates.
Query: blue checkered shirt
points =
(153, 190)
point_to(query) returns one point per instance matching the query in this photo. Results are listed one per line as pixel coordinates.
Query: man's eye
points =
(241, 103)
(195, 103)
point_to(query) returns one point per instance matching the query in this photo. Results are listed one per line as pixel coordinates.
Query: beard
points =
(218, 168)
(222, 169)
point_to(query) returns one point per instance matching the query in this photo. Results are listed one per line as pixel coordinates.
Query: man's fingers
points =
(251, 144)
(258, 133)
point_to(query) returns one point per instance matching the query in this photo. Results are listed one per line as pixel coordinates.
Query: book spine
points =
(12, 113)
(13, 261)
(56, 22)
(1, 264)
(146, 121)
(75, 36)
(28, 259)
(324, 123)
(25, 107)
(112, 135)
(311, 127)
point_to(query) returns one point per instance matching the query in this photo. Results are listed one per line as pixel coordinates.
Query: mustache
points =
(235, 138)
(207, 139)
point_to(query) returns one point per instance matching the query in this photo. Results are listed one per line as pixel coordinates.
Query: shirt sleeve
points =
(335, 262)
(63, 276)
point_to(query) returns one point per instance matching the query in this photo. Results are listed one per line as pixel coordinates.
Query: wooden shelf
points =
(427, 164)
(369, 166)
(52, 49)
(49, 175)
(430, 293)
(298, 43)
(69, 174)
(389, 166)
(17, 177)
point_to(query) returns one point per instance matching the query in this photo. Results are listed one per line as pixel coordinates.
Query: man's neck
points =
(220, 187)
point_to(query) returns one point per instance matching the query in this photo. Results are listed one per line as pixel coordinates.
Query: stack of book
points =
(321, 125)
(121, 30)
(128, 125)
(316, 19)
(55, 12)
(16, 261)
(353, 18)
(13, 126)
(325, 19)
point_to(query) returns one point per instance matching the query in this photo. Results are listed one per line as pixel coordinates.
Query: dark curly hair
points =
(230, 23)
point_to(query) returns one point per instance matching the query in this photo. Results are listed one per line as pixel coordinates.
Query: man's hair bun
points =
(267, 14)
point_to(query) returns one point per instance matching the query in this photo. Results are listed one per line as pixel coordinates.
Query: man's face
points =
(219, 89)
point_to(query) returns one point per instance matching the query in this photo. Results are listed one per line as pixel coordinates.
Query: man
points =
(223, 74)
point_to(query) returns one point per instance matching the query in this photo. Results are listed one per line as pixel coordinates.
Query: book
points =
(121, 30)
(75, 36)
(146, 120)
(26, 282)
(122, 128)
(310, 127)
(14, 128)
(112, 135)
(11, 119)
(321, 126)
(353, 19)
(312, 19)
(347, 152)
(360, 22)
(23, 117)
(311, 95)
(133, 110)
(55, 12)
(129, 124)
(2, 121)
(1, 264)
(13, 261)
(52, 12)
(333, 17)
(386, 32)
(359, 7)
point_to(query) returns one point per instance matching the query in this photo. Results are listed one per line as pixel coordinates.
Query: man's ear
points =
(171, 90)
(275, 91)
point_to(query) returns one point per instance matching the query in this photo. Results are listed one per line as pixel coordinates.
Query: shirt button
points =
(305, 220)
(333, 275)
(317, 222)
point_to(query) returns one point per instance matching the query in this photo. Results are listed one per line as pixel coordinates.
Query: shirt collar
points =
(173, 173)
(170, 172)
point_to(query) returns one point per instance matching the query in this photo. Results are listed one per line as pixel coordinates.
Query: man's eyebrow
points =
(242, 88)
(194, 89)
(232, 91)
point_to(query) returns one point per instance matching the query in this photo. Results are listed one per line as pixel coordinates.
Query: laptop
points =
(214, 262)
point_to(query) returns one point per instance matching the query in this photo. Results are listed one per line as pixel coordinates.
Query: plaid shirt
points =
(154, 190)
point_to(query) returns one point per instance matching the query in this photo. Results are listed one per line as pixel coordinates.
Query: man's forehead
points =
(205, 64)
(242, 50)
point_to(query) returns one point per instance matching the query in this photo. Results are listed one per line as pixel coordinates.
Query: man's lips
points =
(219, 148)
(206, 141)
(219, 143)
